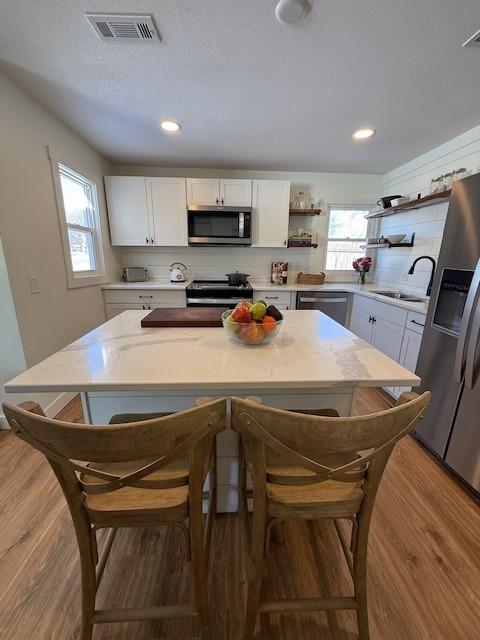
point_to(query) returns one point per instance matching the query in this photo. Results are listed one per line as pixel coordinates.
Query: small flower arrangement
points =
(362, 266)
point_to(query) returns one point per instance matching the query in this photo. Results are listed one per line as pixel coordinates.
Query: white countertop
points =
(367, 290)
(311, 351)
(158, 285)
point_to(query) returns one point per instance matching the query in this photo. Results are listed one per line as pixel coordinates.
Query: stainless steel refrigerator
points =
(449, 355)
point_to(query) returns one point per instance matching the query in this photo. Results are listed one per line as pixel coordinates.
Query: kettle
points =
(177, 272)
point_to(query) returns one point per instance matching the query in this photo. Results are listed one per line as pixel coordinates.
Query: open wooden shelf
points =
(302, 246)
(389, 245)
(427, 201)
(305, 212)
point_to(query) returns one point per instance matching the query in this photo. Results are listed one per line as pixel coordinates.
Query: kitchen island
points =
(120, 367)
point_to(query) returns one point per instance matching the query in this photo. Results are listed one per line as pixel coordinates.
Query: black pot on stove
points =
(236, 279)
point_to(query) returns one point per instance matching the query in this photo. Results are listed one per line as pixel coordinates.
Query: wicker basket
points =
(311, 278)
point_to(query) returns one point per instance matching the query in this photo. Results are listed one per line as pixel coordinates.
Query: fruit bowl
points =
(252, 333)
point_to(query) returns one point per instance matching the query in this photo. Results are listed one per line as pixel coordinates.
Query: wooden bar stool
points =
(139, 474)
(312, 467)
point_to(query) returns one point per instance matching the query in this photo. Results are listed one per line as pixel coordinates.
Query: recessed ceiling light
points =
(363, 134)
(170, 125)
(291, 11)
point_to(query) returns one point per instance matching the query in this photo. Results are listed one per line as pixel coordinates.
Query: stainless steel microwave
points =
(211, 225)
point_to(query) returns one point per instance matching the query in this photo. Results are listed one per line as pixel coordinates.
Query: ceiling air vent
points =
(474, 41)
(137, 28)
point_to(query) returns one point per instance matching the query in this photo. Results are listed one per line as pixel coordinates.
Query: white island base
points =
(99, 407)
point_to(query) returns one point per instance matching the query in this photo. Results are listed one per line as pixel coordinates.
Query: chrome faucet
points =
(434, 264)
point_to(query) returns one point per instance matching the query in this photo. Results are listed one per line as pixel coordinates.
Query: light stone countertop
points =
(367, 290)
(311, 351)
(156, 285)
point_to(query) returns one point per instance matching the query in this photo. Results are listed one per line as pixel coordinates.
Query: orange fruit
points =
(269, 324)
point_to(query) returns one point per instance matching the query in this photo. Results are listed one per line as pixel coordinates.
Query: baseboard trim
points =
(50, 410)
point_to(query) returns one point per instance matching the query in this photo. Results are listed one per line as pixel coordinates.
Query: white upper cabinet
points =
(270, 202)
(128, 210)
(229, 193)
(168, 211)
(236, 193)
(203, 191)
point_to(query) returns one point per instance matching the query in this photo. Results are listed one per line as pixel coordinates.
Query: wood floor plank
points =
(424, 560)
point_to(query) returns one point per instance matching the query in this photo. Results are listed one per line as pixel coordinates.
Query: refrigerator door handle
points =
(463, 335)
(472, 348)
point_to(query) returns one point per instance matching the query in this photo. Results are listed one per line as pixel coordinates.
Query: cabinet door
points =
(387, 337)
(236, 193)
(113, 310)
(168, 206)
(409, 354)
(128, 210)
(203, 191)
(270, 202)
(360, 324)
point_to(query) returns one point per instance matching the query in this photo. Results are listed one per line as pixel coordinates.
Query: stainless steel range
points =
(217, 293)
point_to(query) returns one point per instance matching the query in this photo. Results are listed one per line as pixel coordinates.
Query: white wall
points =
(428, 222)
(331, 188)
(29, 226)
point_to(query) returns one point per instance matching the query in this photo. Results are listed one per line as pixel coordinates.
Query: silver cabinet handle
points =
(472, 297)
(335, 300)
(271, 297)
(145, 297)
(146, 240)
(208, 301)
(417, 323)
(152, 241)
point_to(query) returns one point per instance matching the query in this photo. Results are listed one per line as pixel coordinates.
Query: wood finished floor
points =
(424, 560)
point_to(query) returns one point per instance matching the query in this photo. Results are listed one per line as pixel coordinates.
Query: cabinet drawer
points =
(113, 310)
(148, 296)
(273, 297)
(416, 321)
(383, 310)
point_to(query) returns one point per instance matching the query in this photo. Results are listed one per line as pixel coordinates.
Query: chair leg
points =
(199, 570)
(256, 571)
(360, 583)
(89, 580)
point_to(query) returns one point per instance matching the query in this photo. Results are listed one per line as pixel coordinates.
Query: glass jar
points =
(447, 181)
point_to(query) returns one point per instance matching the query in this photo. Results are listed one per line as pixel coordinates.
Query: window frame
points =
(370, 230)
(91, 277)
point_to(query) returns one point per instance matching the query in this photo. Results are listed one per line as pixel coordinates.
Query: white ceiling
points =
(249, 91)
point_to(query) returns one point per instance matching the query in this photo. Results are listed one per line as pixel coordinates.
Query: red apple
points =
(241, 314)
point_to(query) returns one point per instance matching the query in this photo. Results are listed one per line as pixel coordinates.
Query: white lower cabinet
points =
(280, 299)
(118, 300)
(391, 329)
(361, 325)
(387, 338)
(409, 355)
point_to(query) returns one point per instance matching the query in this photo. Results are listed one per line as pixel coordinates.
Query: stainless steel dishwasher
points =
(333, 304)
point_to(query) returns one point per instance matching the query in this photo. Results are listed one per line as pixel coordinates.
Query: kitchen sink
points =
(397, 295)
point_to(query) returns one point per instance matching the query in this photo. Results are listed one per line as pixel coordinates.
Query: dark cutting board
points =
(191, 317)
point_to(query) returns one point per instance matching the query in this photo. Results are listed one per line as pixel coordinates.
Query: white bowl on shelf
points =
(395, 239)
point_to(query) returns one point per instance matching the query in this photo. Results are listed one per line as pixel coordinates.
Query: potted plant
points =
(362, 267)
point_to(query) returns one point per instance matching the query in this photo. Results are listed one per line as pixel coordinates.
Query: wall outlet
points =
(34, 284)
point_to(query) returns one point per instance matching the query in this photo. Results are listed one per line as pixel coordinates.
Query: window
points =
(80, 224)
(347, 232)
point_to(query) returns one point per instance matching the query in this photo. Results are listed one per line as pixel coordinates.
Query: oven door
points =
(218, 226)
